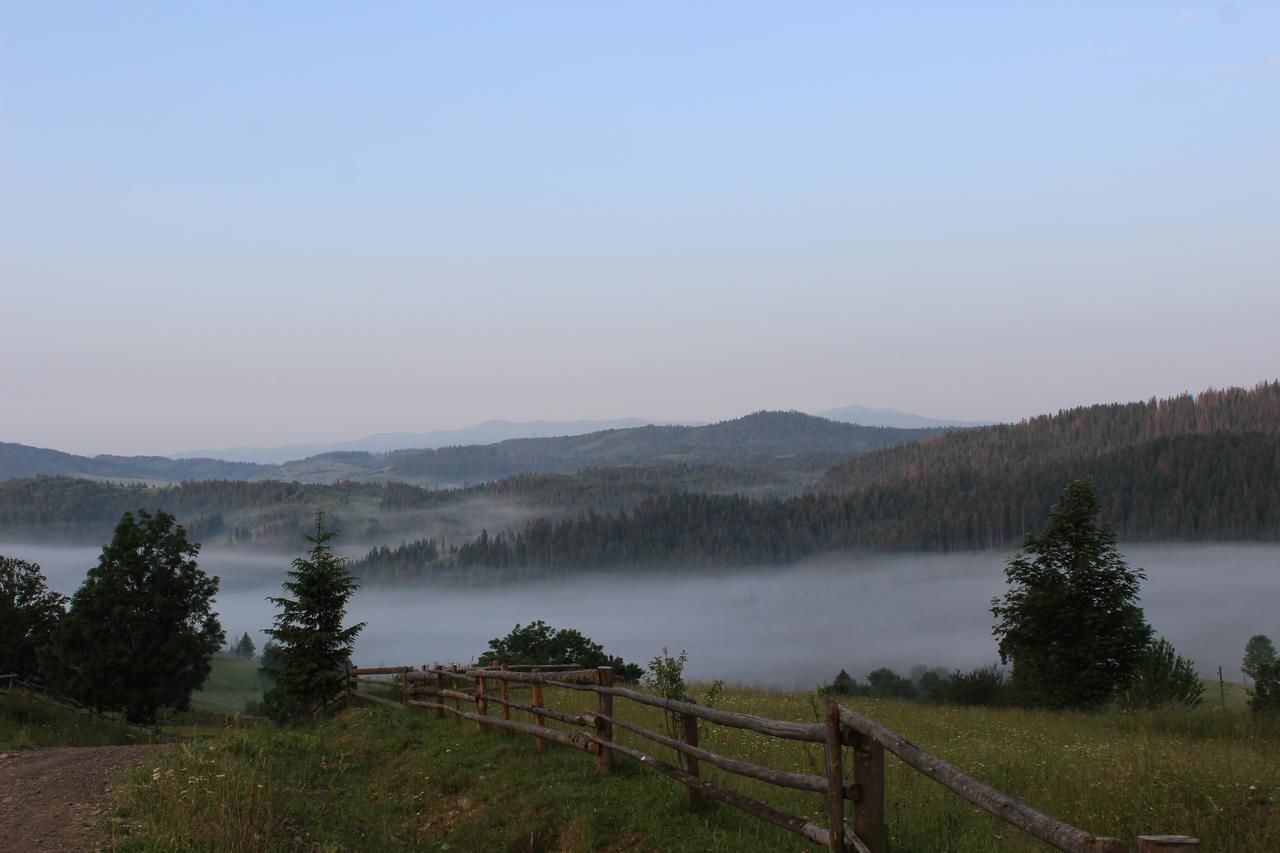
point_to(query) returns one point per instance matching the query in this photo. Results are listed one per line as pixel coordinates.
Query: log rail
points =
(844, 733)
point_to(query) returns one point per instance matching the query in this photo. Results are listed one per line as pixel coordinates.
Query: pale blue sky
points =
(235, 223)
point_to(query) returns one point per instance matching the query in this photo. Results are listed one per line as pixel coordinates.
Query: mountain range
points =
(494, 431)
(792, 440)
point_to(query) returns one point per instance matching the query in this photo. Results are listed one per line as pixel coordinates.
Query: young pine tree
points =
(313, 646)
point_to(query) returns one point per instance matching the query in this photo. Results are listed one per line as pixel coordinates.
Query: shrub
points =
(539, 643)
(1163, 678)
(1264, 696)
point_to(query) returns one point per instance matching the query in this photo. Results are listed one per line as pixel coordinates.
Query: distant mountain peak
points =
(868, 416)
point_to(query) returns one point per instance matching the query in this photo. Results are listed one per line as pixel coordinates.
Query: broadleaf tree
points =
(1070, 622)
(1259, 653)
(141, 631)
(312, 647)
(29, 613)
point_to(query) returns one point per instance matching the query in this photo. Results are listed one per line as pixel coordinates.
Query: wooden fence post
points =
(404, 678)
(351, 681)
(457, 703)
(689, 730)
(868, 811)
(439, 687)
(604, 728)
(1168, 844)
(504, 690)
(482, 707)
(833, 761)
(537, 702)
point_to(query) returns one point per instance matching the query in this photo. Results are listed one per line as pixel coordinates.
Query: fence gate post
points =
(537, 703)
(457, 703)
(439, 687)
(604, 728)
(834, 764)
(689, 729)
(868, 811)
(1168, 844)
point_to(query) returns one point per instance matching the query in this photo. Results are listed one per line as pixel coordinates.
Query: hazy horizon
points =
(227, 225)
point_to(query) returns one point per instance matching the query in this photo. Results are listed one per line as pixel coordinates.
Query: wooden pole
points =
(505, 692)
(833, 761)
(457, 703)
(868, 811)
(689, 728)
(1168, 844)
(482, 707)
(538, 703)
(351, 680)
(604, 728)
(439, 687)
(1222, 689)
(404, 683)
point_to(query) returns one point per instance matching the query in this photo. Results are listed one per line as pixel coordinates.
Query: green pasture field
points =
(386, 779)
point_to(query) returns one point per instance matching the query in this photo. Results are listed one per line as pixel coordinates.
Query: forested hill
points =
(19, 460)
(1217, 487)
(1074, 434)
(803, 442)
(277, 514)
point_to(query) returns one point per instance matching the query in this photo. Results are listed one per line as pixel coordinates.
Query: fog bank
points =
(791, 627)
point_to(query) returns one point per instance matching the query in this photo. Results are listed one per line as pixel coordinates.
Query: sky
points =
(250, 224)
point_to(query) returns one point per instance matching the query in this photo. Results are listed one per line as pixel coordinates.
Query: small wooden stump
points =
(1168, 844)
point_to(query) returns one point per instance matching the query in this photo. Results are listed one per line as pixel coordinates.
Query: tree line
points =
(140, 632)
(1196, 487)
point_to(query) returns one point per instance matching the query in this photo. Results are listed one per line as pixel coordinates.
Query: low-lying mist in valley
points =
(787, 627)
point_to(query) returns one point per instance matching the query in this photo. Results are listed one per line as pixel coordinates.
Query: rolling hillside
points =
(808, 442)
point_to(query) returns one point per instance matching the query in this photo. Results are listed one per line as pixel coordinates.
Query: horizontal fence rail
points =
(843, 732)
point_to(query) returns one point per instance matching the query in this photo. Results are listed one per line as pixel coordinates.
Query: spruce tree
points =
(314, 647)
(245, 648)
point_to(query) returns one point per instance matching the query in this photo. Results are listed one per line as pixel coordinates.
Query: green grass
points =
(27, 721)
(376, 778)
(30, 720)
(232, 684)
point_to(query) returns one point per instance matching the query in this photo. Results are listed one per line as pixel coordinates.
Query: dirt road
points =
(59, 799)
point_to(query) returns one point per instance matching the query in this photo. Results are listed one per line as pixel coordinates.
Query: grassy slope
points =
(385, 779)
(233, 682)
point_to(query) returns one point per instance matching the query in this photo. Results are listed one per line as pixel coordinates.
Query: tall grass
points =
(389, 779)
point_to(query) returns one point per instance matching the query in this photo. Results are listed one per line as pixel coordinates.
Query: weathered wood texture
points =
(781, 778)
(1168, 844)
(577, 676)
(368, 697)
(811, 732)
(689, 754)
(833, 763)
(380, 670)
(540, 718)
(604, 714)
(1009, 809)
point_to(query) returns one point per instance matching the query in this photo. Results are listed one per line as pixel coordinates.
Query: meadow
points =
(379, 778)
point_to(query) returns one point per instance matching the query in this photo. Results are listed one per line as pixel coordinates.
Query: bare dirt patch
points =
(59, 799)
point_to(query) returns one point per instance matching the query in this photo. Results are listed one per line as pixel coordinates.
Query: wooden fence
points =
(448, 690)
